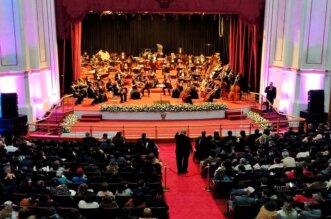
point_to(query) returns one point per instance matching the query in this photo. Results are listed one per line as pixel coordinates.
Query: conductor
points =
(183, 150)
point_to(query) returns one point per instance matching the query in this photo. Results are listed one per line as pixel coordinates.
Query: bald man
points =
(183, 150)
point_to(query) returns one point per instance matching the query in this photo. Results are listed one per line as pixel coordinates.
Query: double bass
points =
(234, 90)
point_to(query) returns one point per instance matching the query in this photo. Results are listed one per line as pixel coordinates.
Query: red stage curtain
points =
(76, 40)
(243, 52)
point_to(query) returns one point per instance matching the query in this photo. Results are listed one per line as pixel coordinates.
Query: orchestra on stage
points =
(184, 76)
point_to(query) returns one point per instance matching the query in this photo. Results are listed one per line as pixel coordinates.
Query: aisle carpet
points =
(187, 197)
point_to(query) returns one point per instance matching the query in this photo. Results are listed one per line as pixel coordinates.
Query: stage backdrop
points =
(132, 33)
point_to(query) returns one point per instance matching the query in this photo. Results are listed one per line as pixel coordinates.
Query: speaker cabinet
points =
(316, 101)
(16, 125)
(9, 105)
(314, 118)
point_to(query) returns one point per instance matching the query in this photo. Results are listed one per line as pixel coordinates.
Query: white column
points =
(296, 51)
(28, 65)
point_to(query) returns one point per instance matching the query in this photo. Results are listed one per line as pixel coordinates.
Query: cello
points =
(234, 90)
(208, 97)
(184, 95)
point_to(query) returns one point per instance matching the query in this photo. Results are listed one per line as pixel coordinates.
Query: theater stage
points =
(157, 125)
(162, 125)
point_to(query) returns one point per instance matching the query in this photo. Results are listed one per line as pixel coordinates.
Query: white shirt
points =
(303, 154)
(11, 148)
(84, 205)
(289, 162)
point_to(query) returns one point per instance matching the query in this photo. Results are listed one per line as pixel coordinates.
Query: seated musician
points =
(166, 67)
(102, 93)
(186, 96)
(116, 88)
(90, 91)
(75, 90)
(148, 86)
(194, 93)
(217, 91)
(123, 94)
(181, 76)
(88, 81)
(167, 86)
(153, 79)
(118, 76)
(96, 76)
(96, 99)
(109, 85)
(134, 93)
(177, 90)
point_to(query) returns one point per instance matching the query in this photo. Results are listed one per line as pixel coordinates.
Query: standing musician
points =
(167, 85)
(230, 79)
(241, 81)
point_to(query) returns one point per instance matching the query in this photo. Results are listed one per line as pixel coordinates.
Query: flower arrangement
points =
(68, 122)
(164, 107)
(257, 118)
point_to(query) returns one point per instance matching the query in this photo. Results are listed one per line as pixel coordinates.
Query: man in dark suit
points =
(183, 150)
(271, 95)
(88, 140)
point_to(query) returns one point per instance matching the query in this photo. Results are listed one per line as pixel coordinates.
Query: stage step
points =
(91, 118)
(234, 115)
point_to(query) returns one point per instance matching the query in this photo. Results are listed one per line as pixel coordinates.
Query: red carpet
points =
(187, 197)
